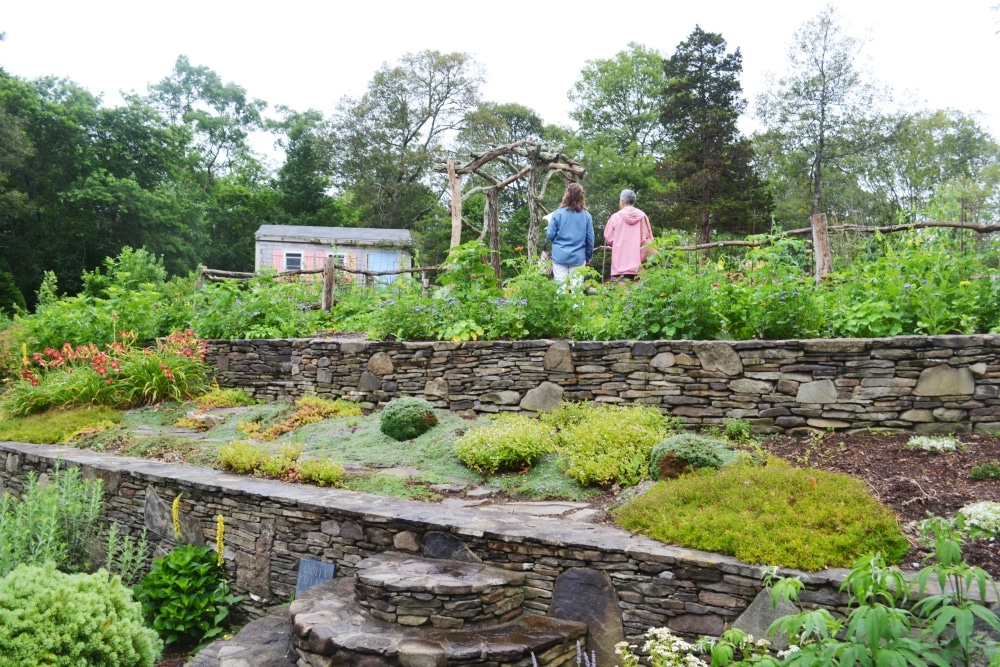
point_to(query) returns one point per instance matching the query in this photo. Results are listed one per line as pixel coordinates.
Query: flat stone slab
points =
(264, 642)
(329, 628)
(540, 508)
(400, 471)
(448, 577)
(482, 492)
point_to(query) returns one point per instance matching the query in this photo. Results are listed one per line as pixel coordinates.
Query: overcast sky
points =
(310, 54)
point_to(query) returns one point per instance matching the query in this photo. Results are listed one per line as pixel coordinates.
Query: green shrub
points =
(604, 444)
(406, 418)
(55, 523)
(984, 471)
(510, 442)
(224, 398)
(242, 457)
(685, 452)
(773, 514)
(738, 431)
(321, 472)
(52, 619)
(185, 596)
(11, 299)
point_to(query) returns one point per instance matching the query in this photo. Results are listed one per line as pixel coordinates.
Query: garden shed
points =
(299, 247)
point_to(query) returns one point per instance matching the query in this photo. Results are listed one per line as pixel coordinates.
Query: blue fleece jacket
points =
(572, 236)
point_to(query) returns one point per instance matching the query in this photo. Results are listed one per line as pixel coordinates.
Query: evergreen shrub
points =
(685, 452)
(406, 418)
(510, 442)
(52, 619)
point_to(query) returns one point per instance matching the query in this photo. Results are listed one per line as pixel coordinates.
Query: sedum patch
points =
(769, 514)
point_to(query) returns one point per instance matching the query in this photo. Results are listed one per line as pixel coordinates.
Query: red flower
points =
(34, 382)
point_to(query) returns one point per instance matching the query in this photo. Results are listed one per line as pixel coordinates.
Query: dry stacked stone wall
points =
(927, 384)
(270, 526)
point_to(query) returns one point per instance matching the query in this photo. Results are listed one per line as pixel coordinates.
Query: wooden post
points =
(821, 246)
(456, 204)
(329, 282)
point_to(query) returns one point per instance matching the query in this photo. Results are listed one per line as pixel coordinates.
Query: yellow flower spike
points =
(24, 354)
(220, 531)
(175, 511)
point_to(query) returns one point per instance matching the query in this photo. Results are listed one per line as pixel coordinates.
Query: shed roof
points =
(341, 235)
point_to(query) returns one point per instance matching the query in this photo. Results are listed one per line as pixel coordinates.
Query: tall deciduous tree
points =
(709, 167)
(220, 115)
(617, 105)
(825, 107)
(386, 143)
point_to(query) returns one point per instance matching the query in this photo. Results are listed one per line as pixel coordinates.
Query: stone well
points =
(416, 612)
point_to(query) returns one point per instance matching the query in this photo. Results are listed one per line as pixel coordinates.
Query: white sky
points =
(309, 54)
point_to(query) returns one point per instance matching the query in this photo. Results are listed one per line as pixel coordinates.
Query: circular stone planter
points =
(417, 612)
(441, 593)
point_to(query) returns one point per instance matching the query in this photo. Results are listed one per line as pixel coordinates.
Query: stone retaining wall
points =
(928, 384)
(271, 525)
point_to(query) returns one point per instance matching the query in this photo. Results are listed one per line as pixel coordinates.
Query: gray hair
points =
(628, 197)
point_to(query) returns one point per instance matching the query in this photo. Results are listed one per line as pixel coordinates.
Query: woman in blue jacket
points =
(571, 230)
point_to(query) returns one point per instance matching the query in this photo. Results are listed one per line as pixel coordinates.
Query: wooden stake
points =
(329, 282)
(456, 204)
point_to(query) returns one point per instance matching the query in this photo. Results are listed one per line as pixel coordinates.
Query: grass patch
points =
(772, 515)
(544, 481)
(389, 485)
(165, 414)
(59, 426)
(264, 415)
(360, 441)
(172, 448)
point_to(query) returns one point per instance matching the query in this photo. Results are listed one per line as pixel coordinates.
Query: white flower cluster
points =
(792, 648)
(929, 444)
(666, 650)
(984, 515)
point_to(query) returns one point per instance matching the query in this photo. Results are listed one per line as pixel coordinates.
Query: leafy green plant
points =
(55, 523)
(774, 513)
(120, 376)
(405, 418)
(684, 452)
(510, 442)
(984, 471)
(125, 555)
(52, 619)
(738, 431)
(321, 472)
(884, 627)
(185, 596)
(604, 444)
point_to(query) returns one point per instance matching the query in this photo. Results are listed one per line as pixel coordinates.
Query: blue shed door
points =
(383, 261)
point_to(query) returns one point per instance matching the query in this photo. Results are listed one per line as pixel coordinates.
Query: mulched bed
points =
(914, 483)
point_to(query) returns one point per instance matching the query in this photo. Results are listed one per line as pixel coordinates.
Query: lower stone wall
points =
(927, 384)
(271, 525)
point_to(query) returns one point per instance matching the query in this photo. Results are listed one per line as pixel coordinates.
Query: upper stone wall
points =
(927, 384)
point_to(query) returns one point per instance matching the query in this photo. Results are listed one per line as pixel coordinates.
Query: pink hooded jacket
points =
(626, 232)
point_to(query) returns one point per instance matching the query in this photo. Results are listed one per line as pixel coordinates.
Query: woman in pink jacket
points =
(627, 232)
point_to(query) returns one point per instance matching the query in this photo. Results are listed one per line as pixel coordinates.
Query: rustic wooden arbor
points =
(543, 162)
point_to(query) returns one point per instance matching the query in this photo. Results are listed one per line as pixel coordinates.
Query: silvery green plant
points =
(932, 444)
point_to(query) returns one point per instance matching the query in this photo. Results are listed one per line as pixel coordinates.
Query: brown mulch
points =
(915, 483)
(173, 657)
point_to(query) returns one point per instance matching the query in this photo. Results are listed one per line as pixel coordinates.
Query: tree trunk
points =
(531, 242)
(821, 246)
(456, 205)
